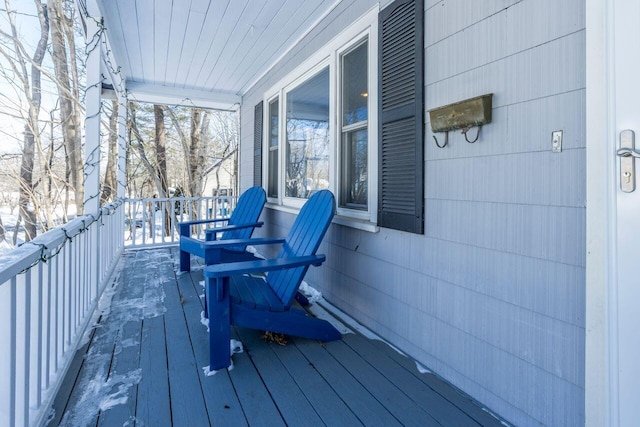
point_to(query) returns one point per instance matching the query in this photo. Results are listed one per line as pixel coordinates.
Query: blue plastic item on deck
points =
(240, 225)
(234, 297)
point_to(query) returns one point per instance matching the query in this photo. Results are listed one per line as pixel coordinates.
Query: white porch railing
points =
(49, 289)
(152, 221)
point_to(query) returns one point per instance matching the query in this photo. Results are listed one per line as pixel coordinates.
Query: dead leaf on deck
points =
(280, 339)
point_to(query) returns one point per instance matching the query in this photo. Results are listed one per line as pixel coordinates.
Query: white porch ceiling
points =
(208, 53)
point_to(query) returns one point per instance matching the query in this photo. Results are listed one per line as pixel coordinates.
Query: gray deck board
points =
(462, 402)
(416, 390)
(361, 402)
(149, 363)
(153, 403)
(220, 396)
(188, 407)
(292, 403)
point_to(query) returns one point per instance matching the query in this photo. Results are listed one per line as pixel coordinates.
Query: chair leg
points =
(185, 261)
(219, 324)
(185, 257)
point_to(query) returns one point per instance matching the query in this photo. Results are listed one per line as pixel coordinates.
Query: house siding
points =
(492, 296)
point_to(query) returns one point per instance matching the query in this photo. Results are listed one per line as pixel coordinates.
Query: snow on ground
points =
(235, 347)
(103, 384)
(10, 219)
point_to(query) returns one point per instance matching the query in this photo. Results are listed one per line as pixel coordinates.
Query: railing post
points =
(93, 92)
(121, 174)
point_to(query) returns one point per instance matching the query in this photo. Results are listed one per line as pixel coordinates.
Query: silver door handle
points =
(628, 154)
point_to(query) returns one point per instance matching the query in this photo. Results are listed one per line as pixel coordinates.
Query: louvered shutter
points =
(401, 111)
(257, 145)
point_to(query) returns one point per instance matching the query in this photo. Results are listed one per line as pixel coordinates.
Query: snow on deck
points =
(143, 365)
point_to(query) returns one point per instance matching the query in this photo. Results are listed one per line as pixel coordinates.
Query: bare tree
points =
(225, 128)
(62, 32)
(2, 231)
(195, 147)
(31, 86)
(161, 163)
(109, 187)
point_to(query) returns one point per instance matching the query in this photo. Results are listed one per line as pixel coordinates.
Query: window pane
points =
(355, 178)
(272, 171)
(308, 137)
(354, 86)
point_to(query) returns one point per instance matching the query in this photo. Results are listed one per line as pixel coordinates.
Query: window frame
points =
(330, 55)
(267, 149)
(341, 129)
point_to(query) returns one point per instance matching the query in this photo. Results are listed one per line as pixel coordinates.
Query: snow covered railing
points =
(49, 288)
(153, 221)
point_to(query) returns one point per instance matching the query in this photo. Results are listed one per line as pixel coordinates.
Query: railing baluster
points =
(38, 337)
(24, 283)
(13, 350)
(48, 319)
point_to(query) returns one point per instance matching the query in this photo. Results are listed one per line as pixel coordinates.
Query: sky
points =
(28, 29)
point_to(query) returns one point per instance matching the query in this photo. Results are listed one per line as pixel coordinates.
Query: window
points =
(322, 128)
(307, 118)
(355, 134)
(272, 166)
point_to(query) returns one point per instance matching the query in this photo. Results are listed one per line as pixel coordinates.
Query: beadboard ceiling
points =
(203, 49)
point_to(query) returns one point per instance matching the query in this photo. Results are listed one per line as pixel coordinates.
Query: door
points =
(612, 365)
(626, 53)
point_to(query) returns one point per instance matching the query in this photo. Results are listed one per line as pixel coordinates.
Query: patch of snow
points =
(121, 384)
(201, 283)
(504, 423)
(101, 394)
(253, 250)
(321, 313)
(422, 369)
(50, 416)
(312, 294)
(104, 387)
(5, 247)
(129, 342)
(235, 347)
(204, 320)
(350, 321)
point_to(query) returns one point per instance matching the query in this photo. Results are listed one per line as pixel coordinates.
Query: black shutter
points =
(257, 145)
(400, 117)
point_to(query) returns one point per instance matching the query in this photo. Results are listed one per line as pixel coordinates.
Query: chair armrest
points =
(261, 266)
(221, 244)
(233, 227)
(202, 221)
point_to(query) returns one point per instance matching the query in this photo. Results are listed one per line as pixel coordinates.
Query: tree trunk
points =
(32, 90)
(110, 180)
(2, 231)
(161, 164)
(69, 114)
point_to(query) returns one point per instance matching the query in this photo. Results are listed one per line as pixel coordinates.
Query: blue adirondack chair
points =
(234, 297)
(240, 225)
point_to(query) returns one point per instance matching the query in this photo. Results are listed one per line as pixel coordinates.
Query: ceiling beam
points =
(158, 94)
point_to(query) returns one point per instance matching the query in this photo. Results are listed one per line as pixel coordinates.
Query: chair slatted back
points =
(247, 211)
(304, 238)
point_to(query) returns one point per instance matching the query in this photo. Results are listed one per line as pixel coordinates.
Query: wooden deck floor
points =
(142, 365)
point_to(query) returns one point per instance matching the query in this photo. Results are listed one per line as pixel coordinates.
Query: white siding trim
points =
(600, 408)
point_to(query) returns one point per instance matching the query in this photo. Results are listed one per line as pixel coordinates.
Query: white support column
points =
(92, 121)
(121, 174)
